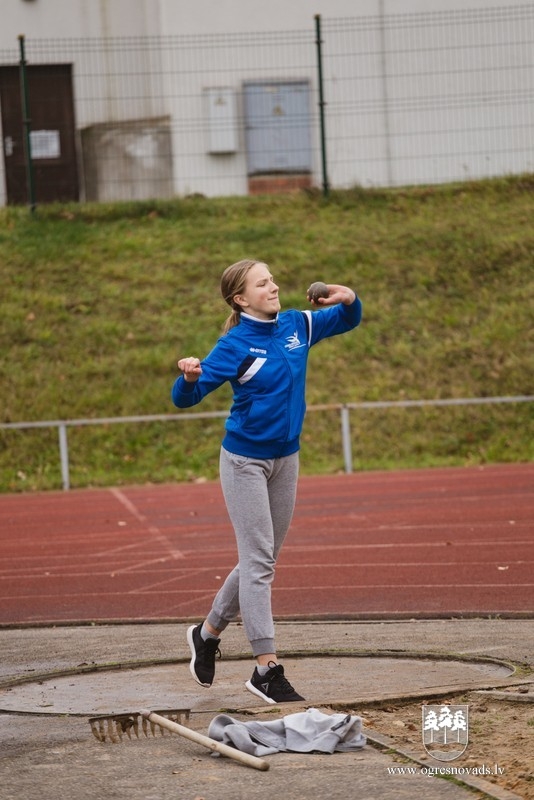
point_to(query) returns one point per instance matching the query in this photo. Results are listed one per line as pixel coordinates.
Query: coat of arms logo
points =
(445, 730)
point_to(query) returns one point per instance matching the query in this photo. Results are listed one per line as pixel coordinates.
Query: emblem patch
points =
(445, 731)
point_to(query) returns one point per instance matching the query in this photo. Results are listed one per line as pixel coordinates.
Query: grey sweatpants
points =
(260, 498)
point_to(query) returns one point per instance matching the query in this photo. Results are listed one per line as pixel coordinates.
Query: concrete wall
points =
(459, 135)
(96, 73)
(95, 18)
(128, 160)
(123, 83)
(59, 19)
(244, 16)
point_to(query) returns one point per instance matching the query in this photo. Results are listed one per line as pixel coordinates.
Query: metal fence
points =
(414, 98)
(343, 409)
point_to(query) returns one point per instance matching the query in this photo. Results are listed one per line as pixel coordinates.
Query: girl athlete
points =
(263, 353)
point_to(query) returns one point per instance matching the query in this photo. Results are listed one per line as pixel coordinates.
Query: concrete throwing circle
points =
(322, 681)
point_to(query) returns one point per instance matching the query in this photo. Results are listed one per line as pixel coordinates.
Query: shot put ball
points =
(317, 290)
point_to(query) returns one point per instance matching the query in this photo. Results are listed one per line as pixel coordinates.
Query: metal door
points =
(53, 141)
(277, 125)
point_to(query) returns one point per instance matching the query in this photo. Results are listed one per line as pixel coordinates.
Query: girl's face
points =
(260, 297)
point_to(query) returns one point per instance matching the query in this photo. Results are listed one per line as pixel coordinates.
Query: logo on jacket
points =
(293, 342)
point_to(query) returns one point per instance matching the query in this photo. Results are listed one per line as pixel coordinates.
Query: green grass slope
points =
(99, 301)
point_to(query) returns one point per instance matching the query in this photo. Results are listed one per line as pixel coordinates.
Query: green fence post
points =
(27, 126)
(322, 103)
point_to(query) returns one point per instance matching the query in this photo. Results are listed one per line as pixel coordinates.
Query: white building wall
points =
(373, 148)
(454, 108)
(454, 138)
(58, 19)
(195, 68)
(96, 73)
(97, 68)
(253, 16)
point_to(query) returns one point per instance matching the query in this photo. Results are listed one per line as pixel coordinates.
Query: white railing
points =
(343, 408)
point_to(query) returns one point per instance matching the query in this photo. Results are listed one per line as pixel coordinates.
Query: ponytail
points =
(231, 321)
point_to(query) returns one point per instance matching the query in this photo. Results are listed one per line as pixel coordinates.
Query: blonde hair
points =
(233, 282)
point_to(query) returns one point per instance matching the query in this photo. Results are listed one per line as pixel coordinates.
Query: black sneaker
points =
(273, 687)
(203, 653)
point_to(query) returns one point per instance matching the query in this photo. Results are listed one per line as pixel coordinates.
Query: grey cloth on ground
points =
(304, 732)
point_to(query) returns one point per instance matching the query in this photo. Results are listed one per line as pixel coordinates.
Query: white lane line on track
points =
(152, 529)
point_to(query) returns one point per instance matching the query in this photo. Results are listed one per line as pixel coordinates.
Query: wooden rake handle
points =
(211, 744)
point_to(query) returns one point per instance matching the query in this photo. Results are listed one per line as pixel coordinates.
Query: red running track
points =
(417, 543)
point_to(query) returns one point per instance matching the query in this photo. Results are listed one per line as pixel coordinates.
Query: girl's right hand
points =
(191, 368)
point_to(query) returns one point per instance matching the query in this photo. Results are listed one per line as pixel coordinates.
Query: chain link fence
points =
(408, 99)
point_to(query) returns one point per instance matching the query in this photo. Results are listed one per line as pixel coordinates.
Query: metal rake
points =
(114, 727)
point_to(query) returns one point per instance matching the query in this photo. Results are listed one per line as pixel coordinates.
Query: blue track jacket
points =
(265, 362)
